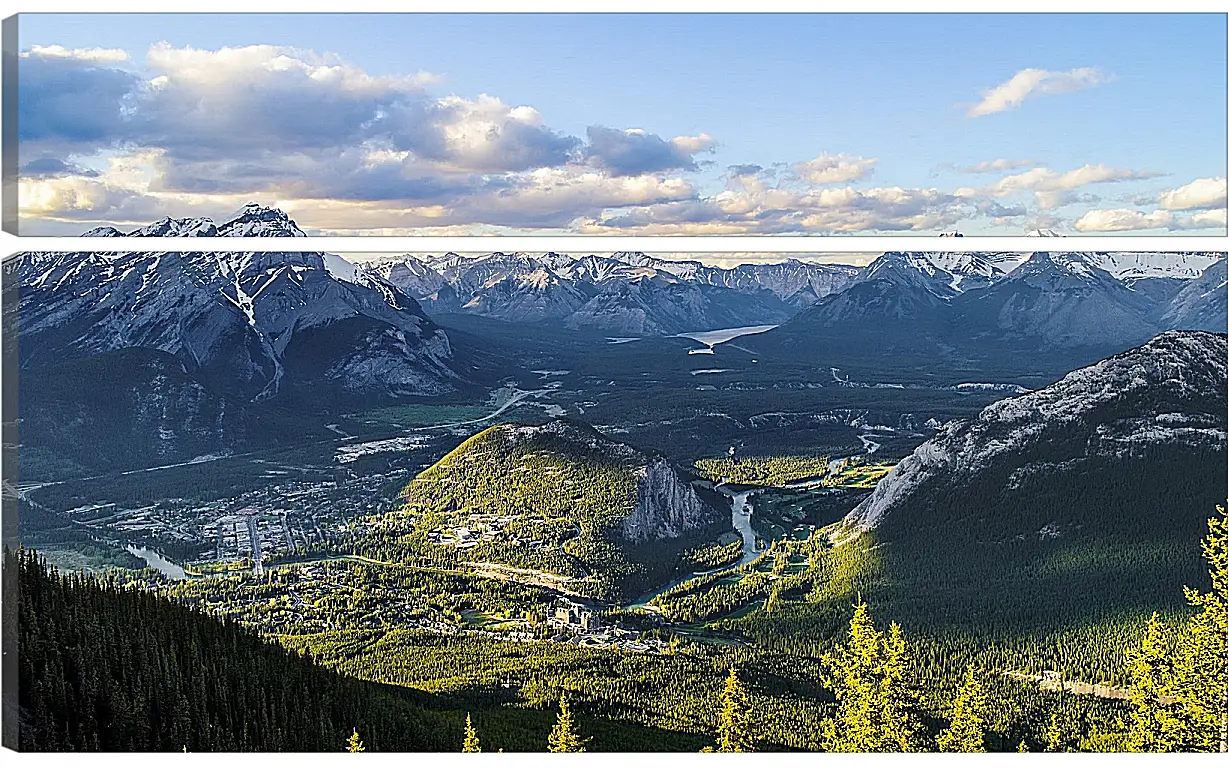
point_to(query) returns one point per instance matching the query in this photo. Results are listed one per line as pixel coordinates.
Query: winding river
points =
(741, 512)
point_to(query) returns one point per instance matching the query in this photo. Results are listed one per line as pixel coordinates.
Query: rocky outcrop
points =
(1168, 393)
(666, 506)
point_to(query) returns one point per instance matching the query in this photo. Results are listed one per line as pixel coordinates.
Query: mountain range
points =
(249, 325)
(962, 306)
(210, 334)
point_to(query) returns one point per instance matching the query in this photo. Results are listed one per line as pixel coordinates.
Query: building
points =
(575, 617)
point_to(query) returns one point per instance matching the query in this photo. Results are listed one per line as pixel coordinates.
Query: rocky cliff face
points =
(1167, 394)
(666, 506)
(249, 325)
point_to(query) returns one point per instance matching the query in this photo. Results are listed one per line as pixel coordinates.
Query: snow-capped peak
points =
(342, 269)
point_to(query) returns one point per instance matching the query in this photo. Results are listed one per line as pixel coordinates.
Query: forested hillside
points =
(104, 667)
(561, 499)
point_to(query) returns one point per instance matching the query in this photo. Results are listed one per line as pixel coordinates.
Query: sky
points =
(628, 124)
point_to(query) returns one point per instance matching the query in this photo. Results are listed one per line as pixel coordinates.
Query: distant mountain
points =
(210, 335)
(799, 283)
(411, 276)
(971, 270)
(901, 301)
(528, 297)
(629, 293)
(1058, 301)
(1098, 486)
(1127, 266)
(1203, 303)
(966, 307)
(655, 303)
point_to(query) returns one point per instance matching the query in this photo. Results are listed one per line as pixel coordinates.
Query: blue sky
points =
(1114, 116)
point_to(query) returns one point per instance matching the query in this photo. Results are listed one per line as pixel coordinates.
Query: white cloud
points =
(199, 132)
(1053, 189)
(835, 169)
(995, 166)
(1126, 220)
(1198, 194)
(92, 55)
(1031, 82)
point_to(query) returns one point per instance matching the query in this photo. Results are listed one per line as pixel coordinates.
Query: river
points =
(154, 560)
(741, 512)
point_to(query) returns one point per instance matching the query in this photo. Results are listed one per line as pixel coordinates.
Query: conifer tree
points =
(471, 737)
(1200, 674)
(1058, 736)
(734, 728)
(901, 700)
(1154, 725)
(967, 731)
(564, 737)
(354, 744)
(872, 679)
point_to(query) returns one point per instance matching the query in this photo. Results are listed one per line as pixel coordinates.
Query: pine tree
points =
(564, 737)
(354, 744)
(1200, 674)
(872, 678)
(734, 729)
(1058, 734)
(1154, 725)
(471, 737)
(901, 699)
(967, 731)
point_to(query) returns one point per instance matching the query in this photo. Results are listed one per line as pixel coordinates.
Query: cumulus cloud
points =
(1127, 220)
(94, 55)
(67, 100)
(1197, 195)
(1053, 189)
(188, 131)
(53, 167)
(1027, 83)
(835, 169)
(633, 151)
(750, 205)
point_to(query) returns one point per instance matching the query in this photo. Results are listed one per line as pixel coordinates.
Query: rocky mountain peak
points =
(1168, 391)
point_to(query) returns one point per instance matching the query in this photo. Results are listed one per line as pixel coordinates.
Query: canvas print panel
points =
(676, 124)
(616, 501)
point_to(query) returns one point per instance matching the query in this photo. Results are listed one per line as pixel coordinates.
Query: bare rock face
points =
(249, 325)
(1203, 303)
(666, 506)
(1167, 393)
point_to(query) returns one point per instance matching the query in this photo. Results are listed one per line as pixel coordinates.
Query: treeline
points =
(763, 470)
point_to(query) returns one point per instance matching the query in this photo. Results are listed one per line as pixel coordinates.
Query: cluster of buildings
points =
(579, 624)
(481, 527)
(290, 516)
